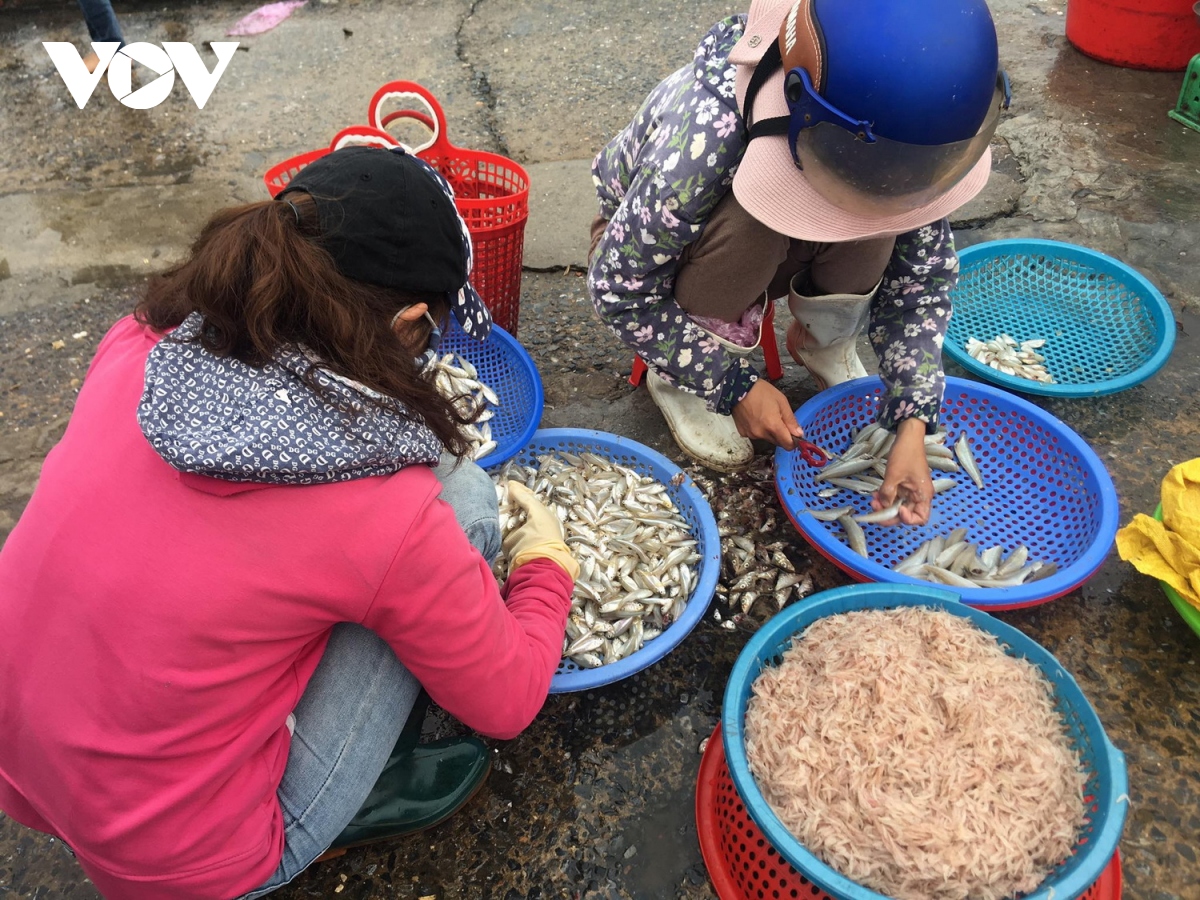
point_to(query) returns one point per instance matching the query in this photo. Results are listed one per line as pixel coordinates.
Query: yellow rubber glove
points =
(540, 537)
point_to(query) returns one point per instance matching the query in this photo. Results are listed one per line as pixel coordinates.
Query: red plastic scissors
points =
(813, 455)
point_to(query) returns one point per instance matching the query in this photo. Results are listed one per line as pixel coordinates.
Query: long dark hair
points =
(261, 280)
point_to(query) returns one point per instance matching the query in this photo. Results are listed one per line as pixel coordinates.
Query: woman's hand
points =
(765, 413)
(540, 536)
(907, 476)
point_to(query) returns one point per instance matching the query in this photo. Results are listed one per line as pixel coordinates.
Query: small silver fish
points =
(843, 468)
(941, 464)
(854, 535)
(858, 485)
(946, 577)
(1014, 563)
(882, 515)
(962, 449)
(787, 579)
(830, 515)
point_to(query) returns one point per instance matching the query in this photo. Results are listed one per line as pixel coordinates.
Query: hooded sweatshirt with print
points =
(171, 587)
(659, 181)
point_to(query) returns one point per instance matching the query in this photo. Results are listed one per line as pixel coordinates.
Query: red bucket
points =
(743, 866)
(1138, 34)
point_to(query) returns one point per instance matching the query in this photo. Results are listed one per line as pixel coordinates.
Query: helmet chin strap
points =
(771, 60)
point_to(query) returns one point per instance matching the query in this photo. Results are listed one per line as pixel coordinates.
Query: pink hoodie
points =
(158, 628)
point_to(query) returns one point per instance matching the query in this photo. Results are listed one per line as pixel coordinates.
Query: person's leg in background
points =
(830, 288)
(102, 25)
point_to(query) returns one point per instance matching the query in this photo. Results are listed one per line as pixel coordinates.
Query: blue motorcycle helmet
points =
(889, 104)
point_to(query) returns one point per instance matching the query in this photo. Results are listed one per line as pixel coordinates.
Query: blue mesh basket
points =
(1105, 791)
(1106, 326)
(1044, 487)
(505, 367)
(691, 505)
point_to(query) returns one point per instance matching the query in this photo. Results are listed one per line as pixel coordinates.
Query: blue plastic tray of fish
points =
(1099, 325)
(1043, 489)
(509, 371)
(691, 506)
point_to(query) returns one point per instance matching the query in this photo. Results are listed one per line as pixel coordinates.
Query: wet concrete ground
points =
(596, 799)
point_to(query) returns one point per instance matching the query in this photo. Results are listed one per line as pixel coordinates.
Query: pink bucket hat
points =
(769, 186)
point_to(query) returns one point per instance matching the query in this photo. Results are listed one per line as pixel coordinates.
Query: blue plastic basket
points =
(1106, 326)
(1105, 790)
(1043, 487)
(691, 505)
(505, 367)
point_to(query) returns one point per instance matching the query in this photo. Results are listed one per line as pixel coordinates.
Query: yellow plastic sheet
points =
(1170, 550)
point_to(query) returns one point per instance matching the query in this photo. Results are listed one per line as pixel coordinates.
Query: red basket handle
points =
(428, 121)
(411, 91)
(362, 136)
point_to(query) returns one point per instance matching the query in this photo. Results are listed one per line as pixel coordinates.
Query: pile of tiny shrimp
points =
(908, 751)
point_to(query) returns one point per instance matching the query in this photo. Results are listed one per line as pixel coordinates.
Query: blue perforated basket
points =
(505, 367)
(1105, 791)
(1044, 487)
(691, 505)
(1106, 326)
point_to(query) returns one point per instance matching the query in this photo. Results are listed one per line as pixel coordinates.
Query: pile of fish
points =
(868, 453)
(754, 564)
(458, 381)
(947, 559)
(637, 555)
(756, 570)
(951, 560)
(1005, 354)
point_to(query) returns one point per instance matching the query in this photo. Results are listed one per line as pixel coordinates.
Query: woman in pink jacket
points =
(241, 565)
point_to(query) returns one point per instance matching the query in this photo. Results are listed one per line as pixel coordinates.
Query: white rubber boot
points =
(707, 437)
(822, 337)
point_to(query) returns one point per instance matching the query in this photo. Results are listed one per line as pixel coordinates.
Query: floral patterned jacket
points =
(658, 182)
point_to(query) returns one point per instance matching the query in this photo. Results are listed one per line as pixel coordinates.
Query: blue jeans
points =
(101, 21)
(356, 704)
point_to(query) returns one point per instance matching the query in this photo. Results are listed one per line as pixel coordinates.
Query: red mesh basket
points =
(491, 193)
(278, 176)
(743, 866)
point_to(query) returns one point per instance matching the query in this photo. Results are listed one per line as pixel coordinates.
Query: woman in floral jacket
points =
(707, 214)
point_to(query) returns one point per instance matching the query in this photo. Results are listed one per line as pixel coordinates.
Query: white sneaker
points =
(707, 437)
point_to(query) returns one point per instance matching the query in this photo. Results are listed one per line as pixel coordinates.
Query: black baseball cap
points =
(388, 218)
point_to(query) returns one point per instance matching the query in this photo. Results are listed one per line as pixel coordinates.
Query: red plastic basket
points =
(743, 866)
(491, 193)
(278, 176)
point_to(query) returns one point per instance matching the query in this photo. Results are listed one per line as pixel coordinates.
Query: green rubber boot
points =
(419, 787)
